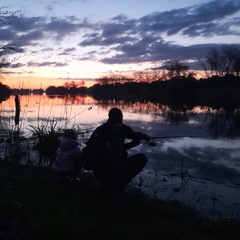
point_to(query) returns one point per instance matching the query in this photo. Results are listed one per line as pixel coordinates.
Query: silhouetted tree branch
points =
(222, 60)
(6, 18)
(176, 69)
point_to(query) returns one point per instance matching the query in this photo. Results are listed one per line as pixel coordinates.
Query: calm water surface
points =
(198, 169)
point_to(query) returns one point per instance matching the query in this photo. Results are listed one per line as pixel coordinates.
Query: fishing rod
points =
(176, 136)
(153, 144)
(89, 108)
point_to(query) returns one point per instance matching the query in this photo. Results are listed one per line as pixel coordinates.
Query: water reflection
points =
(220, 122)
(196, 170)
(224, 122)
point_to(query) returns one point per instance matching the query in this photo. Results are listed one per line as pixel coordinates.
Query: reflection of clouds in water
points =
(215, 164)
(200, 142)
(216, 173)
(221, 156)
(220, 165)
(236, 154)
(136, 116)
(159, 129)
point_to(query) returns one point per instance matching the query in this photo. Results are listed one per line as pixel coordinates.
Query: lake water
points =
(198, 166)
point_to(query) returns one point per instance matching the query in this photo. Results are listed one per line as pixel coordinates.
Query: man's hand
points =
(147, 137)
(135, 142)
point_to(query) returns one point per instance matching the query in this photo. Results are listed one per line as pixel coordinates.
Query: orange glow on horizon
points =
(37, 82)
(21, 82)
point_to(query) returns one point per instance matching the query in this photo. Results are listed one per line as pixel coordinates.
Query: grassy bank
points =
(34, 204)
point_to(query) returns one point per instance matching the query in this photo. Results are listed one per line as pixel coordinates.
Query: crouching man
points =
(106, 152)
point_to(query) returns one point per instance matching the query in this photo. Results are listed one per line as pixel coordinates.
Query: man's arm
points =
(135, 136)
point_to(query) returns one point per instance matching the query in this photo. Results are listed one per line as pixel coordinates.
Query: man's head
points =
(115, 115)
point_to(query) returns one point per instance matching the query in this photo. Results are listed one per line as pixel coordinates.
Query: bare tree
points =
(73, 84)
(230, 54)
(222, 60)
(236, 65)
(147, 76)
(103, 80)
(204, 66)
(213, 61)
(176, 69)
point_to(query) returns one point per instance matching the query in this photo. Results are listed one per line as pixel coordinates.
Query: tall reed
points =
(44, 136)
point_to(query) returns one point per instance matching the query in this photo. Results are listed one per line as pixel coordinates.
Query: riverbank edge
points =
(35, 204)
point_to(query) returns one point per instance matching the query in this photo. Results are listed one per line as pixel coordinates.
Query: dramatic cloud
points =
(141, 40)
(123, 39)
(46, 64)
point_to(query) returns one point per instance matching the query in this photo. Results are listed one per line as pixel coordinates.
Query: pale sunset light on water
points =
(84, 40)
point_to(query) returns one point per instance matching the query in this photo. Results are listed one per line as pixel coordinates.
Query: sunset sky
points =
(85, 39)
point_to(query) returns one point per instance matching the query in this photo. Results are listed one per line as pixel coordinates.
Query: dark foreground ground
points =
(34, 204)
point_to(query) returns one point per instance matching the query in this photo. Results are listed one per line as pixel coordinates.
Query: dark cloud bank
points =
(129, 40)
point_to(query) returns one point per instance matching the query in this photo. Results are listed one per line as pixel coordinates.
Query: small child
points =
(68, 161)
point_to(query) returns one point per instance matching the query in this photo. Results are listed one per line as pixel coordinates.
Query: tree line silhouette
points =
(204, 91)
